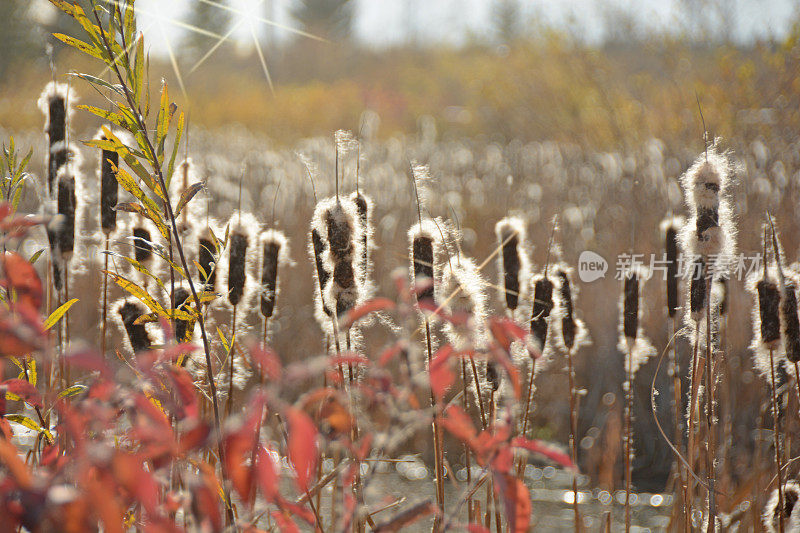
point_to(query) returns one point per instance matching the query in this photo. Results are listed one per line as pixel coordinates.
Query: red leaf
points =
(24, 390)
(129, 473)
(194, 438)
(302, 446)
(545, 449)
(267, 360)
(505, 331)
(516, 501)
(459, 424)
(503, 358)
(477, 528)
(392, 352)
(267, 475)
(239, 447)
(21, 277)
(21, 331)
(185, 391)
(349, 358)
(440, 374)
(284, 522)
(370, 306)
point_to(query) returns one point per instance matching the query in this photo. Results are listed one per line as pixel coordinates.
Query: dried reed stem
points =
(777, 440)
(628, 435)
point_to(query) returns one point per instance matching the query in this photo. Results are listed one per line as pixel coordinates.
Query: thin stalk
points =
(797, 382)
(777, 440)
(437, 437)
(628, 435)
(229, 403)
(678, 473)
(690, 453)
(573, 432)
(105, 299)
(467, 458)
(710, 440)
(154, 161)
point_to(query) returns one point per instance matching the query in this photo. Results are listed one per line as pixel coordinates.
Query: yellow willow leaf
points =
(138, 292)
(72, 391)
(29, 423)
(56, 315)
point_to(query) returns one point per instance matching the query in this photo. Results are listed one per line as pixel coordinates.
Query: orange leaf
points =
(21, 277)
(302, 444)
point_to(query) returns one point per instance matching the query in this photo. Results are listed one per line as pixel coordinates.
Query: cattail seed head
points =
(143, 242)
(274, 251)
(66, 208)
(183, 332)
(633, 342)
(766, 321)
(316, 250)
(365, 208)
(513, 262)
(207, 252)
(126, 312)
(425, 248)
(790, 324)
(462, 293)
(55, 102)
(237, 268)
(671, 228)
(542, 306)
(337, 219)
(773, 511)
(109, 189)
(568, 324)
(697, 290)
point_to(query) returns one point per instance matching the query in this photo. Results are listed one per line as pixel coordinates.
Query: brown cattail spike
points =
(542, 306)
(182, 327)
(768, 308)
(206, 260)
(671, 245)
(322, 274)
(363, 207)
(236, 272)
(511, 269)
(630, 311)
(791, 324)
(109, 190)
(66, 208)
(568, 325)
(697, 289)
(137, 333)
(422, 251)
(142, 245)
(273, 252)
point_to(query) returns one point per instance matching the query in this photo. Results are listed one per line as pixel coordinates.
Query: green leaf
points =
(36, 256)
(178, 134)
(187, 195)
(29, 423)
(134, 290)
(110, 116)
(100, 82)
(72, 391)
(80, 45)
(56, 315)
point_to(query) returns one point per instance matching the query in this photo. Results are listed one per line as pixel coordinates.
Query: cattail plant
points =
(708, 238)
(766, 341)
(670, 228)
(109, 195)
(513, 262)
(365, 208)
(207, 254)
(56, 103)
(235, 280)
(138, 337)
(572, 335)
(274, 252)
(637, 350)
(780, 510)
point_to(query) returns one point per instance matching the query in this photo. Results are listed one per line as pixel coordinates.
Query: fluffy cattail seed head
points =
(142, 242)
(425, 247)
(542, 306)
(337, 219)
(109, 189)
(671, 228)
(207, 259)
(513, 261)
(67, 203)
(698, 289)
(274, 251)
(632, 339)
(183, 332)
(55, 103)
(128, 311)
(462, 293)
(773, 511)
(365, 208)
(317, 251)
(568, 324)
(237, 267)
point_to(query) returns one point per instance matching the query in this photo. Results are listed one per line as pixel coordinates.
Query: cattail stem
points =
(573, 434)
(710, 440)
(232, 356)
(628, 436)
(776, 437)
(797, 382)
(437, 437)
(467, 458)
(690, 422)
(679, 476)
(105, 299)
(524, 461)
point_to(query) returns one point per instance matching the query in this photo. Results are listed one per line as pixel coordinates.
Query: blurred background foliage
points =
(522, 79)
